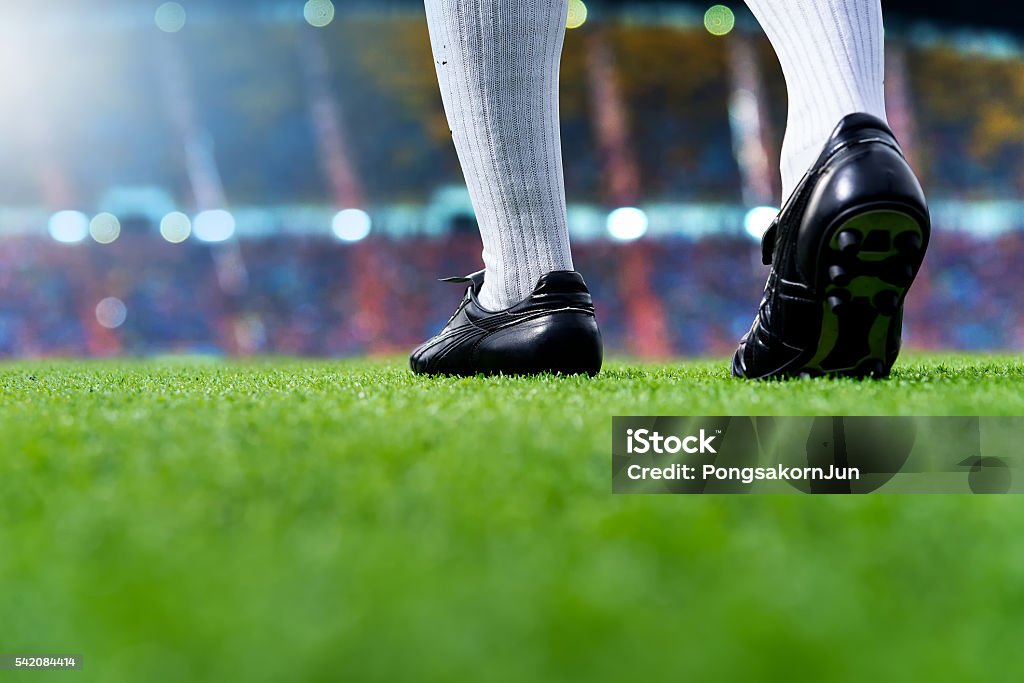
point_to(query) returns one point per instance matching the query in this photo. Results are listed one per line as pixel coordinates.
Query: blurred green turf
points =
(345, 521)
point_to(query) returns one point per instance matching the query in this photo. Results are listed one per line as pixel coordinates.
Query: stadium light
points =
(214, 226)
(105, 228)
(318, 13)
(170, 17)
(758, 220)
(111, 313)
(175, 227)
(69, 226)
(577, 14)
(351, 225)
(719, 20)
(627, 224)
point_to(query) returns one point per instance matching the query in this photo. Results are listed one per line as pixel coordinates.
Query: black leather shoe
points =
(552, 330)
(844, 251)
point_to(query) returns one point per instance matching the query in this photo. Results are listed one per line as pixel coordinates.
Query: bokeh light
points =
(577, 14)
(214, 226)
(111, 313)
(105, 228)
(758, 220)
(170, 17)
(319, 13)
(351, 225)
(175, 227)
(627, 224)
(719, 20)
(69, 226)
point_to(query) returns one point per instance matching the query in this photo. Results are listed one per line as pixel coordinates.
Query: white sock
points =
(497, 63)
(833, 57)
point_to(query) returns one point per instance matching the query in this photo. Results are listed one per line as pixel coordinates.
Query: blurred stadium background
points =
(249, 176)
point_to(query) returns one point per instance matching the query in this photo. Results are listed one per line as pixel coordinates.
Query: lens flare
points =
(719, 20)
(627, 224)
(577, 14)
(170, 17)
(319, 13)
(351, 225)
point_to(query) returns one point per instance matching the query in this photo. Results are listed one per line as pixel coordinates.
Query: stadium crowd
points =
(252, 102)
(251, 98)
(316, 296)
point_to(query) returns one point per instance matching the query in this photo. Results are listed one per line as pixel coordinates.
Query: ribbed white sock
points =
(833, 57)
(497, 63)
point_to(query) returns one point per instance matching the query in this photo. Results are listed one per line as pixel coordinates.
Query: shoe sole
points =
(866, 266)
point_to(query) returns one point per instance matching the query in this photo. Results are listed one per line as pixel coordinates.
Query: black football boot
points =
(844, 251)
(552, 330)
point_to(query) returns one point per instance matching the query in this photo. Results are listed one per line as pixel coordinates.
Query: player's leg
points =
(497, 64)
(853, 230)
(833, 58)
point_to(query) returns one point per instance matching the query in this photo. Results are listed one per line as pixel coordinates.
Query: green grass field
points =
(185, 520)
